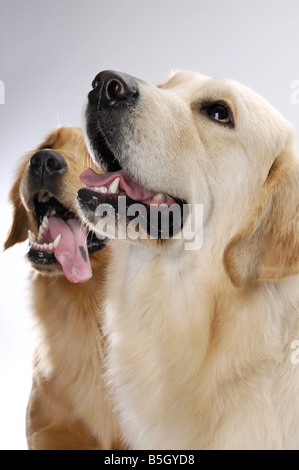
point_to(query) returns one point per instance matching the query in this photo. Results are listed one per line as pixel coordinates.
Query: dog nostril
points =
(35, 162)
(119, 90)
(53, 164)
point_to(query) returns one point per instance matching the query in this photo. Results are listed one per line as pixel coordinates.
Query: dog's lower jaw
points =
(48, 271)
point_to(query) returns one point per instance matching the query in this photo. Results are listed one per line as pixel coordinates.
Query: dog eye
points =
(218, 112)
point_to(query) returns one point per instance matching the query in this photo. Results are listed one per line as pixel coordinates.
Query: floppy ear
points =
(20, 222)
(268, 247)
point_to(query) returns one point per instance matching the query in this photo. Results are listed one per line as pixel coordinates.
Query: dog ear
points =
(268, 247)
(20, 222)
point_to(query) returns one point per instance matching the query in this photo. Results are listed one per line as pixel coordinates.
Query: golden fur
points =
(208, 361)
(68, 407)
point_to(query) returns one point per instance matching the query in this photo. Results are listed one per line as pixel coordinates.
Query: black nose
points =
(113, 89)
(47, 164)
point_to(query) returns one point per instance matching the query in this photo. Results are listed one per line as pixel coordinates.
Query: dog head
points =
(198, 141)
(43, 197)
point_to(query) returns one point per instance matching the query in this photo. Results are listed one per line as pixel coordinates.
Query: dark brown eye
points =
(219, 112)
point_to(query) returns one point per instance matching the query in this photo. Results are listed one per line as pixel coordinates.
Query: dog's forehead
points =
(194, 83)
(184, 83)
(195, 87)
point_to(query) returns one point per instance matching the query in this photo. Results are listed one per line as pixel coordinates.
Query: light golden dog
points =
(200, 336)
(69, 407)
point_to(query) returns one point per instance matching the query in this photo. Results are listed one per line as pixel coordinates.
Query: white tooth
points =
(31, 237)
(103, 189)
(56, 241)
(159, 196)
(45, 222)
(40, 233)
(43, 197)
(51, 246)
(113, 188)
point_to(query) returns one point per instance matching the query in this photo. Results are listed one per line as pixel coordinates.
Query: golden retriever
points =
(69, 407)
(200, 332)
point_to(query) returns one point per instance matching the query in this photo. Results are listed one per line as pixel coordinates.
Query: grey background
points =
(49, 53)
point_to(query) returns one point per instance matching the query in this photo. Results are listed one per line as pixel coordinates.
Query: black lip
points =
(41, 258)
(101, 141)
(90, 200)
(106, 155)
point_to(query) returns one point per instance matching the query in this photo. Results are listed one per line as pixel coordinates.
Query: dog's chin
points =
(48, 271)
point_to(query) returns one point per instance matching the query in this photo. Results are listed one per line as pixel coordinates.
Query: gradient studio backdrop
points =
(49, 53)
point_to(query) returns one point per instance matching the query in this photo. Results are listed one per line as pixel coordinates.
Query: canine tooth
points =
(40, 233)
(51, 246)
(113, 188)
(45, 222)
(43, 197)
(56, 241)
(31, 237)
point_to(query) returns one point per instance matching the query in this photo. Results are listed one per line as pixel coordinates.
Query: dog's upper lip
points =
(132, 189)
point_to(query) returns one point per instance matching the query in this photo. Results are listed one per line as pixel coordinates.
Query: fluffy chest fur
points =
(195, 366)
(69, 360)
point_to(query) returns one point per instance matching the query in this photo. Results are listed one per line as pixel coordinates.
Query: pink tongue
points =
(132, 189)
(72, 252)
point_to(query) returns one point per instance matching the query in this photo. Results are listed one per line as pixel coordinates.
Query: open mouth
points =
(163, 215)
(161, 220)
(62, 238)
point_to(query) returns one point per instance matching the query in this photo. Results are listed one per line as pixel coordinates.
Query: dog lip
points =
(90, 200)
(103, 150)
(129, 187)
(42, 258)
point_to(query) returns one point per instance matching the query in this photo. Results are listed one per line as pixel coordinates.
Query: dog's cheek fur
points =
(268, 247)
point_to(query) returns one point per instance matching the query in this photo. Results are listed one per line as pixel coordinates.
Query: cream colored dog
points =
(200, 341)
